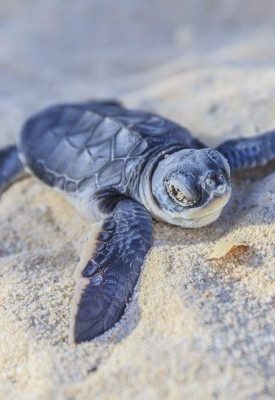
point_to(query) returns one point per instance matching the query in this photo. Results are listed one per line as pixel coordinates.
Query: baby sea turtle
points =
(124, 167)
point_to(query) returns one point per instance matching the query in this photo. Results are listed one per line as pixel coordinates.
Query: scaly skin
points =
(112, 272)
(124, 166)
(246, 153)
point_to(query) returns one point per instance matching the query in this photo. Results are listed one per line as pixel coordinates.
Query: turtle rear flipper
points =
(246, 153)
(11, 167)
(108, 279)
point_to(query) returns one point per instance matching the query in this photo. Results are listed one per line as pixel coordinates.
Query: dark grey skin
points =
(124, 167)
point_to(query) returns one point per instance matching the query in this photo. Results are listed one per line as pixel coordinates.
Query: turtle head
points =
(190, 187)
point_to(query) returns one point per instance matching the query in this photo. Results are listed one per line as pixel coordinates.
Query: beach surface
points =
(196, 328)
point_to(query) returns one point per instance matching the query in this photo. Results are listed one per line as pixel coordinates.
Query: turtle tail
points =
(246, 153)
(11, 167)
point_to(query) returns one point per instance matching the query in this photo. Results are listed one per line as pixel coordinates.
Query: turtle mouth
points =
(178, 196)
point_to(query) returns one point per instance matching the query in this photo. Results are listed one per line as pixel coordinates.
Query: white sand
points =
(196, 329)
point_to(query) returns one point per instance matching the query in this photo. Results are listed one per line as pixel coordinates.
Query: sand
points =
(195, 328)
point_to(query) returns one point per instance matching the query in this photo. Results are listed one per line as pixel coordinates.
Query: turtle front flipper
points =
(246, 153)
(108, 279)
(11, 167)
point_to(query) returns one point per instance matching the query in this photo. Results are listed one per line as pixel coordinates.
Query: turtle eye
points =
(219, 160)
(213, 155)
(177, 195)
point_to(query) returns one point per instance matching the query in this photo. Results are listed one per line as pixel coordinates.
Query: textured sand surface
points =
(195, 329)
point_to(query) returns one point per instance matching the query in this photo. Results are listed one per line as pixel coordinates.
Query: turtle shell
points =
(71, 146)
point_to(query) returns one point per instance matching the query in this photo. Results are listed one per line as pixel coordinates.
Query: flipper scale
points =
(112, 273)
(246, 153)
